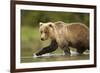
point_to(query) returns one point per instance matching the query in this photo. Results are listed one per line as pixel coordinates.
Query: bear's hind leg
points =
(80, 50)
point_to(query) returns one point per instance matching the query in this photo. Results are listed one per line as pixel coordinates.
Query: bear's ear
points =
(40, 23)
(50, 25)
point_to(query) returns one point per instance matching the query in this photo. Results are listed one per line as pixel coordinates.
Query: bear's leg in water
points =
(66, 49)
(67, 52)
(81, 50)
(52, 47)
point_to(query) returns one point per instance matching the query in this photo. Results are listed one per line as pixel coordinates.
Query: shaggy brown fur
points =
(65, 35)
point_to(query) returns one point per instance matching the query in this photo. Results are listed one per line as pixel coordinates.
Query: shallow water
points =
(53, 57)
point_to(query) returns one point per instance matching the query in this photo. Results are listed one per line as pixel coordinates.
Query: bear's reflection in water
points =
(60, 57)
(55, 57)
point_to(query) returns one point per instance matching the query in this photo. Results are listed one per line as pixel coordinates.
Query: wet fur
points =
(67, 35)
(52, 47)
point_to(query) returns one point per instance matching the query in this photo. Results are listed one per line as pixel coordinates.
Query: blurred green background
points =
(30, 36)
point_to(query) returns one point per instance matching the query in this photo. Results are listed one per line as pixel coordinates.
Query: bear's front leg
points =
(65, 48)
(67, 52)
(52, 47)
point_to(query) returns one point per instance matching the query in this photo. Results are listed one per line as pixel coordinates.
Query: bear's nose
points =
(42, 39)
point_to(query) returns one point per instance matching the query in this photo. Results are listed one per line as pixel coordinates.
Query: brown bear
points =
(64, 35)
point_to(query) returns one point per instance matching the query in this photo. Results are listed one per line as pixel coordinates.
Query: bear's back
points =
(77, 27)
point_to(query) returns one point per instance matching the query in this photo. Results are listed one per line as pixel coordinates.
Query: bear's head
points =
(46, 30)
